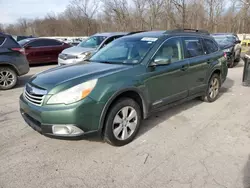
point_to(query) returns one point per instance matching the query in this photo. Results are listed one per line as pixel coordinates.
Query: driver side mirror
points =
(161, 61)
(237, 41)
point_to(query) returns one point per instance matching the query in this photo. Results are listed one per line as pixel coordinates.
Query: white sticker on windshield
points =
(149, 39)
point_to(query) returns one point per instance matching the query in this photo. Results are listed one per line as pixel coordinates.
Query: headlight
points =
(84, 55)
(228, 49)
(73, 94)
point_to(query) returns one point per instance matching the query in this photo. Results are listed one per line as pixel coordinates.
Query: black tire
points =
(237, 60)
(207, 97)
(232, 62)
(7, 82)
(109, 135)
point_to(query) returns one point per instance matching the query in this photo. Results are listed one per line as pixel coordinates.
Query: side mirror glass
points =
(161, 61)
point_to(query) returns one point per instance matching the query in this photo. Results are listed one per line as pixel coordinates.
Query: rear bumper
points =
(230, 58)
(22, 65)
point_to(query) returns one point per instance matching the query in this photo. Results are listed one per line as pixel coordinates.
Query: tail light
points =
(21, 50)
(225, 54)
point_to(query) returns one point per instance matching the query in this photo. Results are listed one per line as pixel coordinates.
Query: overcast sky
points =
(11, 10)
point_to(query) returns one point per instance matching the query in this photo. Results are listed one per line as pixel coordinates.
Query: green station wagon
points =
(124, 83)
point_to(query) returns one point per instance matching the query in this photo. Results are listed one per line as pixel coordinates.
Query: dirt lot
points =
(194, 145)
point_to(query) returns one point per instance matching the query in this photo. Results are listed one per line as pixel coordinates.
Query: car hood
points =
(226, 45)
(77, 50)
(70, 75)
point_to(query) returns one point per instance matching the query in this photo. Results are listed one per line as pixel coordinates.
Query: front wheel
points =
(213, 88)
(8, 78)
(123, 122)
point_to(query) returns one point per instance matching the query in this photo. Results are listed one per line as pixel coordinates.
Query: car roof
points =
(176, 32)
(214, 34)
(4, 35)
(111, 34)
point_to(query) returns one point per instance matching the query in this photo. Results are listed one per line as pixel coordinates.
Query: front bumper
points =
(84, 115)
(68, 61)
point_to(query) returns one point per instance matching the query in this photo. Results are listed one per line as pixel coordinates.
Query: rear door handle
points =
(184, 67)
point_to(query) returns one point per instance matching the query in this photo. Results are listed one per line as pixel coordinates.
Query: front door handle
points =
(184, 67)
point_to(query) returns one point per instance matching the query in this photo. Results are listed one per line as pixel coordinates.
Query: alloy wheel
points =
(125, 123)
(214, 88)
(7, 78)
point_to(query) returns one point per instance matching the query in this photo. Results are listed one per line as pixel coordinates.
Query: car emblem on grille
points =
(35, 91)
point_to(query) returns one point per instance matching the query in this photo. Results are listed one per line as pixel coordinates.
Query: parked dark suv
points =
(13, 62)
(231, 45)
(123, 83)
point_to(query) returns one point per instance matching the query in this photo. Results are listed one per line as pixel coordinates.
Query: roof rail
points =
(188, 31)
(134, 32)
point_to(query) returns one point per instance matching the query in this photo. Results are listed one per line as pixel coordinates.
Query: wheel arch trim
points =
(114, 97)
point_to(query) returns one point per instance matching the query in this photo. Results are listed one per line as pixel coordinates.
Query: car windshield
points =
(224, 39)
(23, 42)
(125, 50)
(92, 42)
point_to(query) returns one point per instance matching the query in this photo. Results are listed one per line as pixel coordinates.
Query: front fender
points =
(109, 99)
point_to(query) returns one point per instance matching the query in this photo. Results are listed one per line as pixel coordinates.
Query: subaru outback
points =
(124, 83)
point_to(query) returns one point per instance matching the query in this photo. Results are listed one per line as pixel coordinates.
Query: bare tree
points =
(140, 9)
(86, 17)
(86, 9)
(119, 11)
(1, 28)
(155, 10)
(181, 7)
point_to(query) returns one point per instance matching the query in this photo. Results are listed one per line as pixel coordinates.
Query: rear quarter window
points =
(210, 46)
(2, 39)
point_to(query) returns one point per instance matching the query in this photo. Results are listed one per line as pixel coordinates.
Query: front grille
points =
(34, 95)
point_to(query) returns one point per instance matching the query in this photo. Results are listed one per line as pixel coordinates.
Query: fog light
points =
(66, 130)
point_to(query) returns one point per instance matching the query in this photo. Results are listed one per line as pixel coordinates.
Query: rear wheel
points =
(123, 122)
(237, 60)
(232, 62)
(8, 78)
(213, 88)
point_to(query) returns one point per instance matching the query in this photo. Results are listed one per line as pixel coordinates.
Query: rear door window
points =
(210, 46)
(2, 39)
(193, 46)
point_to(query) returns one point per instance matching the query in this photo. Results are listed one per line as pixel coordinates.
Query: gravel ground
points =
(194, 145)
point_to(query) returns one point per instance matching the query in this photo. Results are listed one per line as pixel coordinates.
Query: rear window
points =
(210, 46)
(23, 42)
(2, 39)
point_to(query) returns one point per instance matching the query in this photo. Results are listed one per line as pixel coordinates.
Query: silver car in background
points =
(86, 48)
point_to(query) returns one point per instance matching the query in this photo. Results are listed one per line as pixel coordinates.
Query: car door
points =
(53, 49)
(198, 64)
(167, 74)
(33, 52)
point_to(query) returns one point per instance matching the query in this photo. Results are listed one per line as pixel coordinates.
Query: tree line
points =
(86, 17)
